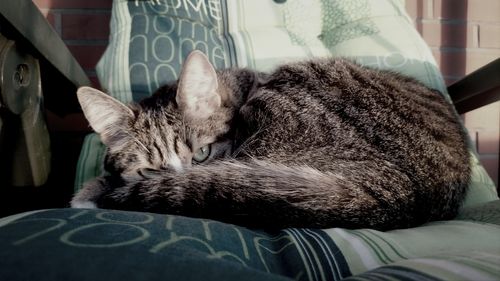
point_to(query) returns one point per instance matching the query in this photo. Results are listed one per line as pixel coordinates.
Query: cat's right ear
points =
(197, 95)
(106, 115)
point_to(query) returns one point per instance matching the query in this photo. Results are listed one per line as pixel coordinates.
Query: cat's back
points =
(328, 108)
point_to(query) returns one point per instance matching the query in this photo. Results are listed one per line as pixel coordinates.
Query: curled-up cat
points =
(321, 143)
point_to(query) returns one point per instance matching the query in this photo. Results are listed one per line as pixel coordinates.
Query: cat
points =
(320, 143)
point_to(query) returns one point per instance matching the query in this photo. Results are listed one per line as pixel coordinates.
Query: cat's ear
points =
(197, 95)
(106, 115)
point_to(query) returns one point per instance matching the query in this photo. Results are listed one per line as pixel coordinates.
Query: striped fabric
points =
(324, 259)
(452, 244)
(113, 67)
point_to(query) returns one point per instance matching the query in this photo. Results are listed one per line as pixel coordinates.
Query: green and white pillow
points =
(150, 38)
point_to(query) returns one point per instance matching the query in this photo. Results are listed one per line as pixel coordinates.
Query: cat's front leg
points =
(90, 194)
(157, 191)
(154, 191)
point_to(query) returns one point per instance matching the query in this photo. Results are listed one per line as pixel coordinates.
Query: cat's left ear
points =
(106, 115)
(197, 95)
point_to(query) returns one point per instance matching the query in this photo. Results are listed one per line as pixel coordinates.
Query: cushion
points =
(150, 39)
(75, 244)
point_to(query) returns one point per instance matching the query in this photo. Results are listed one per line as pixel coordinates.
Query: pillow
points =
(150, 39)
(75, 244)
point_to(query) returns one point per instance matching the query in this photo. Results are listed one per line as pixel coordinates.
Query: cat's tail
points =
(262, 193)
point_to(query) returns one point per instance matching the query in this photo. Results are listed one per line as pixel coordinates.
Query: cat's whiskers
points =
(184, 129)
(142, 145)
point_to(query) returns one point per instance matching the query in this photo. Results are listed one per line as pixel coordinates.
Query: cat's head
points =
(180, 125)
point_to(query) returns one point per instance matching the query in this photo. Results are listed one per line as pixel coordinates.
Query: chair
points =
(149, 40)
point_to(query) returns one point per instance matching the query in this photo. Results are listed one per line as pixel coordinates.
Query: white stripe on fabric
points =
(463, 270)
(233, 16)
(113, 67)
(364, 252)
(301, 249)
(307, 249)
(124, 87)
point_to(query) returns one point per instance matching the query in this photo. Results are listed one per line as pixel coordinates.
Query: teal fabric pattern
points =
(162, 36)
(74, 244)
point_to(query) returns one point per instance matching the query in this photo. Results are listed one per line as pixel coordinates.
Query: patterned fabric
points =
(149, 40)
(374, 33)
(74, 244)
(446, 242)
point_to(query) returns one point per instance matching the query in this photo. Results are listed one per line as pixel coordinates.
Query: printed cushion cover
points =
(75, 244)
(150, 38)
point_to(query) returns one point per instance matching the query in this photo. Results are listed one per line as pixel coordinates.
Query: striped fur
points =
(319, 143)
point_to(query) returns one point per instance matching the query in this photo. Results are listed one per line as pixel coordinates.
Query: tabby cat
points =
(320, 143)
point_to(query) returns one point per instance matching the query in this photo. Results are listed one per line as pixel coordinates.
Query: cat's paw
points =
(87, 197)
(83, 204)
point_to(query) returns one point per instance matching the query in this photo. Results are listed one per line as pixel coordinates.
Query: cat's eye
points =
(147, 172)
(202, 154)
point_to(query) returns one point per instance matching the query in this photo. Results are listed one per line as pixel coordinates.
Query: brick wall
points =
(463, 35)
(84, 27)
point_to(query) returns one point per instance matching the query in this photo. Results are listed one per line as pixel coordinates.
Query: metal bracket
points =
(24, 138)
